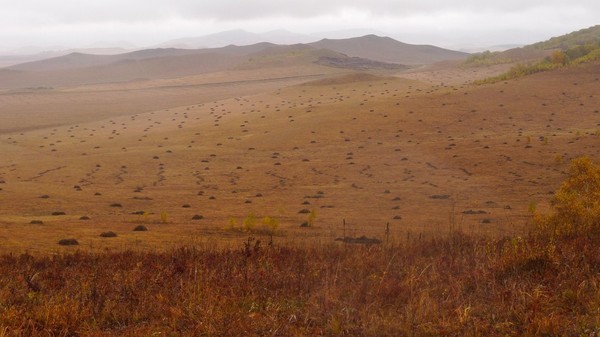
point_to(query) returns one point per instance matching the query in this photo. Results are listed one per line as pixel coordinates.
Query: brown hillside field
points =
(282, 142)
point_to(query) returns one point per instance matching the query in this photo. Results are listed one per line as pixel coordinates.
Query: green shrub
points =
(558, 59)
(486, 58)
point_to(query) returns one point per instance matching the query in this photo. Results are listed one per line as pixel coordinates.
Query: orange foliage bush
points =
(576, 204)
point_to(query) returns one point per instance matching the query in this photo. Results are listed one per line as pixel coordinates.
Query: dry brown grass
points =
(433, 161)
(377, 148)
(457, 286)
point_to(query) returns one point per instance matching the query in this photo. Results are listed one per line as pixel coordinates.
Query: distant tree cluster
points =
(486, 58)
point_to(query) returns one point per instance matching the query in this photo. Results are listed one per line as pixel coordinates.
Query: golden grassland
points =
(544, 284)
(460, 285)
(365, 149)
(441, 195)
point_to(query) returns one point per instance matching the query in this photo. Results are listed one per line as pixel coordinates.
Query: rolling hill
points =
(281, 192)
(581, 37)
(584, 38)
(363, 53)
(81, 69)
(385, 49)
(79, 60)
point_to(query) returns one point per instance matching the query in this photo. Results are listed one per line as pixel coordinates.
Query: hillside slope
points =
(369, 150)
(581, 37)
(363, 53)
(76, 70)
(386, 49)
(82, 69)
(584, 38)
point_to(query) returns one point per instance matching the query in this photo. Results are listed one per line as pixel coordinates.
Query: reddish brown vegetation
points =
(458, 286)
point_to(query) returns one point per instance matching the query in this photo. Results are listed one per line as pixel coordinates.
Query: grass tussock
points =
(457, 286)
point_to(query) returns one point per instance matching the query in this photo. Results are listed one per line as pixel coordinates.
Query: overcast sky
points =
(447, 23)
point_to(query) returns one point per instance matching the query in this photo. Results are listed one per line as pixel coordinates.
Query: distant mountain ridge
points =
(361, 53)
(376, 48)
(15, 59)
(81, 60)
(237, 37)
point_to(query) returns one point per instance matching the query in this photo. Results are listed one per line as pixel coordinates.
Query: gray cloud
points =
(61, 21)
(73, 11)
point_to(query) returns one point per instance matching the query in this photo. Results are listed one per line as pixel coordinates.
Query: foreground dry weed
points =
(457, 286)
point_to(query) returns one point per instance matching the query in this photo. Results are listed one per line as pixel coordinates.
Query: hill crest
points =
(386, 49)
(590, 35)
